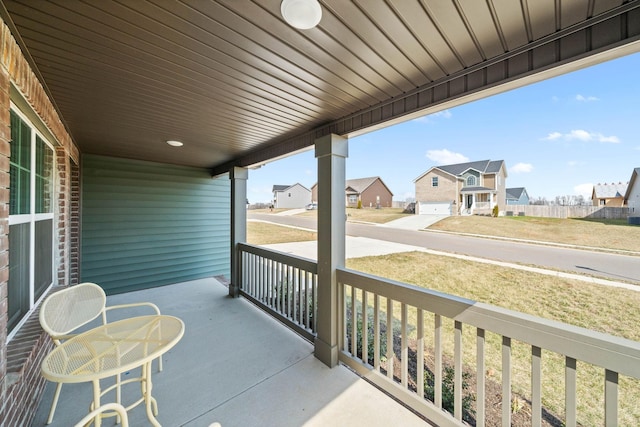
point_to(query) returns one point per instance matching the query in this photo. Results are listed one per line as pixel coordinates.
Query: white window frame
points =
(434, 181)
(33, 217)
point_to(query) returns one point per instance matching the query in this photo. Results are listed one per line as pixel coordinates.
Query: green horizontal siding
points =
(148, 224)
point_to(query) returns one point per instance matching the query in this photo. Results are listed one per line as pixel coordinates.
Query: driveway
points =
(414, 222)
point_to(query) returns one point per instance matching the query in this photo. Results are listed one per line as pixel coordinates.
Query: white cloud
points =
(581, 98)
(584, 189)
(444, 114)
(521, 168)
(553, 136)
(446, 157)
(582, 135)
(555, 99)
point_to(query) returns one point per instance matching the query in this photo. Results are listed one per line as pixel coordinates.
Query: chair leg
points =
(54, 403)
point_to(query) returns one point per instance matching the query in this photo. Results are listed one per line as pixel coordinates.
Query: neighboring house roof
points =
(277, 188)
(472, 189)
(515, 193)
(359, 185)
(458, 169)
(634, 176)
(610, 191)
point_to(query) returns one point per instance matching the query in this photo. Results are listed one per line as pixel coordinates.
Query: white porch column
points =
(331, 152)
(238, 177)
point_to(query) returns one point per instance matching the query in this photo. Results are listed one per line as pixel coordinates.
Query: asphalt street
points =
(625, 268)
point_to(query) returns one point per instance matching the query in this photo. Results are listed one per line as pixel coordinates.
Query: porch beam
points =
(331, 152)
(238, 177)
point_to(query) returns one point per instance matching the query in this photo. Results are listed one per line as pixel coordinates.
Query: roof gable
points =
(459, 169)
(632, 182)
(360, 185)
(610, 191)
(515, 192)
(277, 188)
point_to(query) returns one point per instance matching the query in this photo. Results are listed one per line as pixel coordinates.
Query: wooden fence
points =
(600, 212)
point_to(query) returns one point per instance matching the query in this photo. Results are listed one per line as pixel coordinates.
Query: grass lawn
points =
(378, 216)
(263, 233)
(609, 310)
(611, 234)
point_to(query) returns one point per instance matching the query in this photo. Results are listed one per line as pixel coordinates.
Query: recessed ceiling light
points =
(175, 143)
(301, 14)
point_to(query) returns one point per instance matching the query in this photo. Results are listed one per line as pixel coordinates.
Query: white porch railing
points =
(284, 285)
(482, 205)
(376, 303)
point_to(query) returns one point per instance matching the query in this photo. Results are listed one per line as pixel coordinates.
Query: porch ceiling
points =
(239, 86)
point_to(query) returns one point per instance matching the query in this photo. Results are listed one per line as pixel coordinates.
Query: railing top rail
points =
(614, 353)
(285, 258)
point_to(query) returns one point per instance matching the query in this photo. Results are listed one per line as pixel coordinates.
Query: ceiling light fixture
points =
(301, 14)
(175, 143)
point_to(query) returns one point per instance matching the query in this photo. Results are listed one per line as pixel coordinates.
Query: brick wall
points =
(446, 191)
(5, 136)
(21, 384)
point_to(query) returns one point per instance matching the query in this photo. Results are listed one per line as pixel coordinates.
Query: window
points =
(31, 169)
(353, 199)
(471, 181)
(434, 181)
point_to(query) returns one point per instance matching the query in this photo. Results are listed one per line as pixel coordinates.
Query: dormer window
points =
(471, 181)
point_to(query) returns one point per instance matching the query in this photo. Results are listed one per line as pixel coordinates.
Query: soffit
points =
(229, 77)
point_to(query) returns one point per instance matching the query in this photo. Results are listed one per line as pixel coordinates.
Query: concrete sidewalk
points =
(357, 247)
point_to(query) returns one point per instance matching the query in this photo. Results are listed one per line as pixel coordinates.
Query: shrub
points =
(359, 204)
(448, 391)
(495, 211)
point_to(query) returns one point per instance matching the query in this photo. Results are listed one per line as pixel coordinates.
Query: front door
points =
(469, 201)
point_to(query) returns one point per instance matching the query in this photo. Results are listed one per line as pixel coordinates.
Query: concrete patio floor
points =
(240, 367)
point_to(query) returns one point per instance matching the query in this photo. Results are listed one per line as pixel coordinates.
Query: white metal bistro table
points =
(112, 349)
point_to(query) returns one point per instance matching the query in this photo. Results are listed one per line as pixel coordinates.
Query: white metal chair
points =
(63, 312)
(118, 408)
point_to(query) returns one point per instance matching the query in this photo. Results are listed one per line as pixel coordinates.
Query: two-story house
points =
(291, 196)
(462, 189)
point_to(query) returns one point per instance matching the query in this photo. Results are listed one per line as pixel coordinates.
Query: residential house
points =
(632, 197)
(372, 192)
(517, 196)
(291, 196)
(462, 188)
(610, 195)
(90, 92)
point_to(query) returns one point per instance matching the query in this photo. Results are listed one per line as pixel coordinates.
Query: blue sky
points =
(557, 138)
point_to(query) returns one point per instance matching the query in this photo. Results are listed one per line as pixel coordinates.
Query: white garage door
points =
(434, 208)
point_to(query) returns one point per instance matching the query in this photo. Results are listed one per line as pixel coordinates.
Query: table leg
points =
(96, 402)
(148, 399)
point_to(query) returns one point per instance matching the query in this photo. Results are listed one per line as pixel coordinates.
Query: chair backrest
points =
(67, 310)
